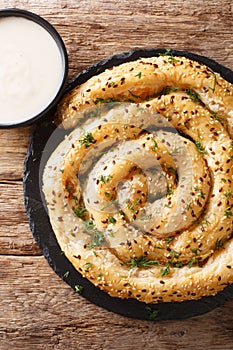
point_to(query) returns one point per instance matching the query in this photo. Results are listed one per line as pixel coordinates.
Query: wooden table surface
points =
(37, 309)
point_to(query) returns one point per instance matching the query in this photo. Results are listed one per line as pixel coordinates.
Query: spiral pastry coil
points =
(139, 194)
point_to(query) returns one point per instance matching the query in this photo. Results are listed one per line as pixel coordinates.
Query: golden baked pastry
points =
(139, 194)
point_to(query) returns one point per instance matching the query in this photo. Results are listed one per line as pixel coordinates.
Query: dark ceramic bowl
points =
(64, 59)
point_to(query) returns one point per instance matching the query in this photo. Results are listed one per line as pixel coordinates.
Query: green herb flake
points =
(132, 94)
(112, 220)
(193, 95)
(178, 264)
(165, 271)
(103, 100)
(98, 238)
(201, 193)
(140, 262)
(169, 89)
(228, 212)
(105, 179)
(169, 240)
(191, 262)
(169, 55)
(78, 288)
(87, 140)
(172, 171)
(212, 88)
(204, 222)
(152, 314)
(169, 191)
(145, 217)
(68, 188)
(219, 244)
(200, 148)
(195, 251)
(228, 194)
(133, 205)
(155, 145)
(66, 274)
(88, 266)
(80, 212)
(217, 117)
(139, 75)
(174, 254)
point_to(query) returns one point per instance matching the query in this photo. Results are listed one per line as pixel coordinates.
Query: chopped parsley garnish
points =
(200, 148)
(193, 95)
(178, 264)
(217, 117)
(98, 238)
(103, 100)
(195, 251)
(132, 94)
(173, 171)
(169, 55)
(165, 271)
(152, 314)
(139, 75)
(140, 262)
(169, 240)
(111, 220)
(155, 145)
(105, 179)
(204, 222)
(175, 152)
(169, 191)
(133, 205)
(214, 85)
(145, 217)
(80, 212)
(174, 254)
(228, 212)
(169, 89)
(191, 262)
(66, 274)
(219, 244)
(87, 140)
(68, 188)
(228, 194)
(88, 266)
(78, 288)
(197, 189)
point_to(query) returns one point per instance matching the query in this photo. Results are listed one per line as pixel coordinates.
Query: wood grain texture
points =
(37, 309)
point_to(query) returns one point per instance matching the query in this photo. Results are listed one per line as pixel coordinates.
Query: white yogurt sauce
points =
(31, 68)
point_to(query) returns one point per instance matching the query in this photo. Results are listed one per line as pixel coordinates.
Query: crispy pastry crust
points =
(182, 252)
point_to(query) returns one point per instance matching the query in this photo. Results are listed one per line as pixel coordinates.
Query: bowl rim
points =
(16, 12)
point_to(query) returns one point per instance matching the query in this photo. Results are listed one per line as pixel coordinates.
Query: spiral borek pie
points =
(139, 194)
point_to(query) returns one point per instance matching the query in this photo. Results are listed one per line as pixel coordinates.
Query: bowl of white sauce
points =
(33, 67)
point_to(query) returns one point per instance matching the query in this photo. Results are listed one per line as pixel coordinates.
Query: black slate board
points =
(36, 158)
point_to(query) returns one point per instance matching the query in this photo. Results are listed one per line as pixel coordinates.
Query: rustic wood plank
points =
(53, 314)
(13, 146)
(15, 235)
